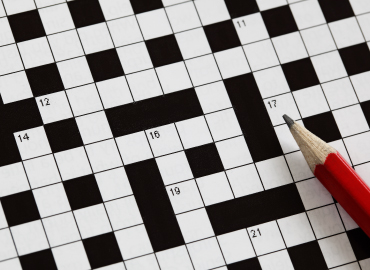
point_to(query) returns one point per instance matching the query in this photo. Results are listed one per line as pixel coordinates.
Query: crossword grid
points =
(115, 167)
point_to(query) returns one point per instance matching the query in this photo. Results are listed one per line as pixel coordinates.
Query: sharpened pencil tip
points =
(289, 121)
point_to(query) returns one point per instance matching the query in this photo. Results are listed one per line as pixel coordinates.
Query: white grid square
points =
(72, 256)
(7, 248)
(174, 168)
(311, 101)
(289, 47)
(276, 261)
(274, 172)
(318, 40)
(206, 254)
(10, 61)
(223, 124)
(94, 127)
(194, 132)
(134, 57)
(56, 18)
(213, 97)
(232, 62)
(154, 24)
(134, 147)
(11, 264)
(84, 99)
(6, 32)
(103, 155)
(251, 28)
(203, 70)
(339, 93)
(307, 14)
(329, 66)
(364, 21)
(54, 107)
(193, 43)
(269, 4)
(174, 258)
(350, 120)
(92, 221)
(183, 17)
(35, 52)
(127, 25)
(346, 32)
(73, 163)
(113, 9)
(95, 38)
(360, 6)
(313, 194)
(174, 77)
(148, 262)
(144, 85)
(358, 147)
(271, 82)
(44, 3)
(15, 87)
(234, 152)
(298, 166)
(360, 83)
(65, 45)
(75, 72)
(18, 6)
(13, 179)
(261, 55)
(212, 11)
(114, 92)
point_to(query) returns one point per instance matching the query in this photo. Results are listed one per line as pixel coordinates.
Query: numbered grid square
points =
(307, 14)
(313, 194)
(134, 147)
(194, 132)
(183, 17)
(203, 70)
(280, 105)
(173, 258)
(65, 45)
(133, 242)
(296, 230)
(144, 85)
(213, 97)
(173, 77)
(10, 59)
(73, 163)
(13, 179)
(95, 38)
(223, 124)
(298, 166)
(271, 82)
(35, 52)
(251, 28)
(56, 19)
(29, 237)
(311, 101)
(123, 213)
(134, 57)
(84, 99)
(318, 40)
(164, 140)
(244, 180)
(329, 66)
(193, 43)
(72, 256)
(32, 142)
(234, 152)
(211, 12)
(346, 32)
(174, 168)
(13, 7)
(116, 8)
(103, 155)
(114, 92)
(261, 55)
(75, 72)
(54, 107)
(236, 246)
(232, 62)
(127, 25)
(289, 47)
(15, 87)
(146, 262)
(92, 221)
(276, 261)
(274, 172)
(61, 229)
(337, 250)
(266, 238)
(184, 196)
(6, 31)
(206, 254)
(351, 120)
(113, 184)
(7, 248)
(154, 24)
(215, 188)
(339, 93)
(94, 127)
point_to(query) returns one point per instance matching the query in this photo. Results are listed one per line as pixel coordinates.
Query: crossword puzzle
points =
(148, 134)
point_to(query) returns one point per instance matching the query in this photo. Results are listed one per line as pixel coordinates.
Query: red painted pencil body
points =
(347, 187)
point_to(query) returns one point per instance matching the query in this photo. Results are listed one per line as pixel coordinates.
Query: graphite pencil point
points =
(288, 120)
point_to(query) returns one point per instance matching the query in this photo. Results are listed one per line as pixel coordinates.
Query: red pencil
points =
(338, 177)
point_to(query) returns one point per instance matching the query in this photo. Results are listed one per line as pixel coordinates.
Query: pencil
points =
(333, 171)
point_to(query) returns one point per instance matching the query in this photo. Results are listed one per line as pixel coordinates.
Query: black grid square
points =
(26, 26)
(20, 208)
(82, 192)
(44, 79)
(86, 12)
(250, 264)
(356, 59)
(63, 135)
(140, 6)
(300, 74)
(9, 150)
(105, 65)
(335, 10)
(279, 21)
(204, 160)
(360, 243)
(239, 8)
(42, 260)
(323, 126)
(102, 250)
(222, 36)
(307, 256)
(164, 50)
